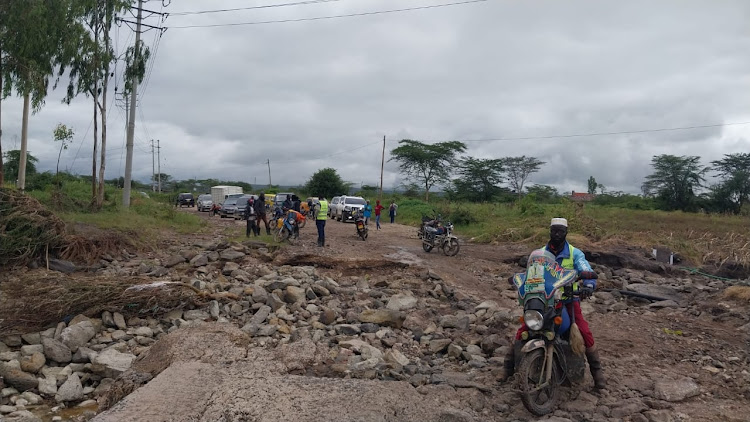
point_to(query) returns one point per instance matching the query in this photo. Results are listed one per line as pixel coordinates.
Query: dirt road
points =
(644, 347)
(375, 330)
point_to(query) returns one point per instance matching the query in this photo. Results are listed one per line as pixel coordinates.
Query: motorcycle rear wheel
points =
(543, 401)
(451, 247)
(427, 247)
(363, 235)
(302, 223)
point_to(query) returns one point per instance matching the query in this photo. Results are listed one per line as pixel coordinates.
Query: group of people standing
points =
(255, 213)
(368, 210)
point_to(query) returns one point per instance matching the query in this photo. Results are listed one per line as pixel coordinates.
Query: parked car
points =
(333, 205)
(228, 208)
(349, 206)
(185, 199)
(242, 204)
(205, 202)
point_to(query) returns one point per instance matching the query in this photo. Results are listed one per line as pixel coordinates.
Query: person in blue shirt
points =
(367, 212)
(570, 258)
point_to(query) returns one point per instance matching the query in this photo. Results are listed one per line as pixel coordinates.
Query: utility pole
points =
(382, 166)
(131, 119)
(153, 168)
(158, 160)
(268, 161)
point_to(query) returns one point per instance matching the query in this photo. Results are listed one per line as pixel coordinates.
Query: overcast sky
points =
(323, 93)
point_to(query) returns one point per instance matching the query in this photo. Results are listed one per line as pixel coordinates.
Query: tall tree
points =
(64, 135)
(13, 160)
(734, 172)
(592, 185)
(34, 33)
(427, 164)
(479, 179)
(518, 170)
(90, 72)
(675, 180)
(326, 183)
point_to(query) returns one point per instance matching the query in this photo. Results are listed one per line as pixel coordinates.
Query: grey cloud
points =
(307, 95)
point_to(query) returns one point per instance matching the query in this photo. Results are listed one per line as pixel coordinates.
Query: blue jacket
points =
(579, 261)
(368, 210)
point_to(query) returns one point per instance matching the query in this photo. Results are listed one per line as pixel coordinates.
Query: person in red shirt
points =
(378, 209)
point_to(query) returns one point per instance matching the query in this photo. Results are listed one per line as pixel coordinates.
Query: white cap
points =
(559, 222)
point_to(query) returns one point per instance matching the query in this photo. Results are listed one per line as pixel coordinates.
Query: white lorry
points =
(220, 193)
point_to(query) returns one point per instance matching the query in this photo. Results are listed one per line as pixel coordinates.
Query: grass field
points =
(701, 238)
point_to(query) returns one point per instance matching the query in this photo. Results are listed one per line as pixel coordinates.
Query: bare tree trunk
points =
(93, 161)
(24, 140)
(2, 170)
(103, 110)
(102, 164)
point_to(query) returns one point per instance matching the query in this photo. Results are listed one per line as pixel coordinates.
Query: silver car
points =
(349, 207)
(205, 202)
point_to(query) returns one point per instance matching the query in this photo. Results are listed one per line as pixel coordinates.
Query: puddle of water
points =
(68, 414)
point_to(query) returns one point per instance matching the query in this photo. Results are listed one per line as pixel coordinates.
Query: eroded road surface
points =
(379, 330)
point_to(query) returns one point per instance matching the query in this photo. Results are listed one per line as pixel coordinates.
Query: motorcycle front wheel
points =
(539, 401)
(451, 247)
(281, 235)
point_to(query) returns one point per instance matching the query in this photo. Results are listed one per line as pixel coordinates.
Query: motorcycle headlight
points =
(533, 319)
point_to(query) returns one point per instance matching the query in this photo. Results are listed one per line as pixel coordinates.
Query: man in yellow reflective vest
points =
(320, 220)
(571, 258)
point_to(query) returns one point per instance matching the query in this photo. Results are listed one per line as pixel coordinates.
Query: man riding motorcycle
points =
(570, 258)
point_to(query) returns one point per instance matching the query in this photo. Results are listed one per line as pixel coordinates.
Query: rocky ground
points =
(370, 331)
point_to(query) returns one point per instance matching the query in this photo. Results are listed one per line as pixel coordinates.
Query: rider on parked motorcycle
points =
(570, 258)
(298, 217)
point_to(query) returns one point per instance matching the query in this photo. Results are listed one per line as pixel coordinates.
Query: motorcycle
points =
(359, 222)
(550, 354)
(285, 228)
(433, 233)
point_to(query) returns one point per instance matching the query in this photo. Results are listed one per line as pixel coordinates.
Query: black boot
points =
(268, 231)
(595, 366)
(510, 363)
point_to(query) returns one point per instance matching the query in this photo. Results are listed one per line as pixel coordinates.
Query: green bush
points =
(528, 206)
(462, 216)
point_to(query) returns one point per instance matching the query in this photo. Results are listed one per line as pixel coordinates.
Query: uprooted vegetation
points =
(32, 303)
(29, 231)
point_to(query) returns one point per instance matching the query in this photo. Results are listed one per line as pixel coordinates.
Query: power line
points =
(350, 15)
(580, 135)
(267, 6)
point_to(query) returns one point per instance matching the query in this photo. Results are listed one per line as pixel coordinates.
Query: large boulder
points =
(402, 302)
(231, 255)
(17, 378)
(71, 390)
(78, 335)
(113, 363)
(675, 390)
(56, 351)
(32, 364)
(385, 317)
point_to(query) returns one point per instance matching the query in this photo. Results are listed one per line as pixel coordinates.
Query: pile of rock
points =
(72, 363)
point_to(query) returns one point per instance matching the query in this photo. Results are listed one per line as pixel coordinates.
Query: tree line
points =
(42, 41)
(677, 182)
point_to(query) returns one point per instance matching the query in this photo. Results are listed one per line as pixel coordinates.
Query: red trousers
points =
(583, 326)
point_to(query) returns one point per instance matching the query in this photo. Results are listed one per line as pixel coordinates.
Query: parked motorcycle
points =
(359, 222)
(436, 234)
(550, 354)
